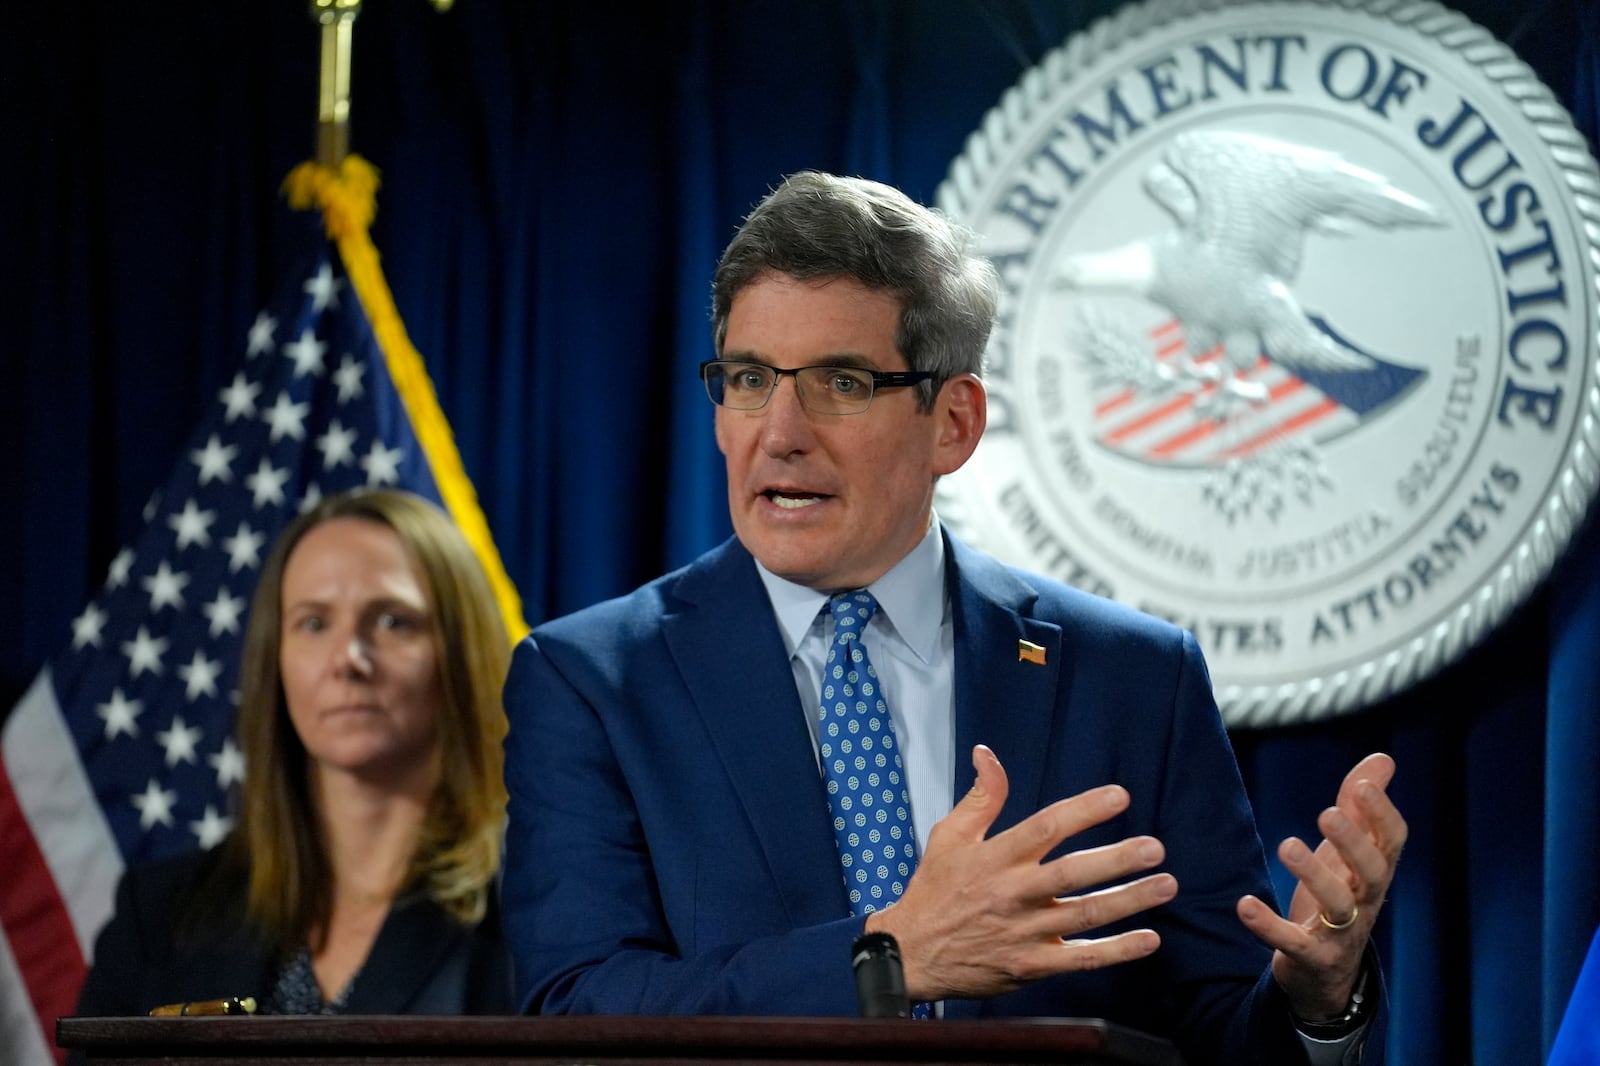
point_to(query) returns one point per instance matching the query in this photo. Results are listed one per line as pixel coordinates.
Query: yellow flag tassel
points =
(348, 200)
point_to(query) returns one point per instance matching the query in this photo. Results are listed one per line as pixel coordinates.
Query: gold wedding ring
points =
(1355, 912)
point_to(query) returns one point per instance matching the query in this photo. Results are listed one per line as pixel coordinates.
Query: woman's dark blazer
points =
(164, 944)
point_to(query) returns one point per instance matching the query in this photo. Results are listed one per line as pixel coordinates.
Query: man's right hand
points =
(984, 915)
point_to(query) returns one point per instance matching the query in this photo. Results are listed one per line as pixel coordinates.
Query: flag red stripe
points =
(1202, 430)
(1304, 418)
(1166, 410)
(1198, 431)
(1107, 406)
(36, 921)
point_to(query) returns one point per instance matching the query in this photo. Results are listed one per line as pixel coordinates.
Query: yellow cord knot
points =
(348, 196)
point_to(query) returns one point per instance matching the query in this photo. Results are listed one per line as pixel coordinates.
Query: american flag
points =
(122, 749)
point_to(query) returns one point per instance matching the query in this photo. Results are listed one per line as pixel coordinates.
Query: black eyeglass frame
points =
(881, 379)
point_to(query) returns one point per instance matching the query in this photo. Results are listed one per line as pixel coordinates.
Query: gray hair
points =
(817, 225)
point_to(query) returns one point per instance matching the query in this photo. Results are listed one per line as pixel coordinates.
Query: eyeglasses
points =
(824, 390)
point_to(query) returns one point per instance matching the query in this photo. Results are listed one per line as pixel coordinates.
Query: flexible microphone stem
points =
(880, 978)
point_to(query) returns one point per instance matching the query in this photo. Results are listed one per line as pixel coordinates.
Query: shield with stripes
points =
(1173, 426)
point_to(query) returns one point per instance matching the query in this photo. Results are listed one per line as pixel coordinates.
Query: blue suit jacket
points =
(670, 852)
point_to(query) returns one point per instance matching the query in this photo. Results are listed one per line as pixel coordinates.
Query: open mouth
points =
(794, 501)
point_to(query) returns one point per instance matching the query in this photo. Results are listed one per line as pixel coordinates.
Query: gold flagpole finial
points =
(338, 19)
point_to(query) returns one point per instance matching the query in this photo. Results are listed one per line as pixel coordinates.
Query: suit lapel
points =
(1003, 700)
(416, 938)
(731, 658)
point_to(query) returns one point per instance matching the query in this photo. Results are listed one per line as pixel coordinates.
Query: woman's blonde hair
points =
(278, 840)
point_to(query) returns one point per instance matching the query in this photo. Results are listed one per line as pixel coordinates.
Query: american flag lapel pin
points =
(1028, 651)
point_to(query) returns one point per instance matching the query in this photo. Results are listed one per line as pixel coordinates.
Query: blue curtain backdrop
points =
(559, 178)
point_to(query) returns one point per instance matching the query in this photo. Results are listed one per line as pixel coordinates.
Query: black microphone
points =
(880, 978)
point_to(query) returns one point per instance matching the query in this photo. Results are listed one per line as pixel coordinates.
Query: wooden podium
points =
(634, 1041)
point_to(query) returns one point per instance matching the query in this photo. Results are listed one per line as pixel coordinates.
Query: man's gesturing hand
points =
(984, 915)
(1340, 890)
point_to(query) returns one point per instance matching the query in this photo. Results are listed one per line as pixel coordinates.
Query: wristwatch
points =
(1355, 1015)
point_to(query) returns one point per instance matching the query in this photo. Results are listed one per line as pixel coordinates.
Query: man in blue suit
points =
(720, 781)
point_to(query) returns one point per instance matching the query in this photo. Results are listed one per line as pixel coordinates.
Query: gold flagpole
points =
(344, 186)
(338, 21)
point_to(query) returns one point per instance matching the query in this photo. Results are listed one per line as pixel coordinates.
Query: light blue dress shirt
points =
(912, 646)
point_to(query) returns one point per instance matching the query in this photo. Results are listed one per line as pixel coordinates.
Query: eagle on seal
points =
(1243, 206)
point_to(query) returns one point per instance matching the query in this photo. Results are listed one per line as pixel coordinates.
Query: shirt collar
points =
(911, 597)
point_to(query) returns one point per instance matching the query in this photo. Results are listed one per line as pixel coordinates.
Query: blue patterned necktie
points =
(861, 765)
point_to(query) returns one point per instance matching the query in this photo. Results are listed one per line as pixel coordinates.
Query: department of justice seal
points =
(1297, 337)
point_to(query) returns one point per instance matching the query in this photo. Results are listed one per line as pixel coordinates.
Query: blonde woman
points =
(360, 877)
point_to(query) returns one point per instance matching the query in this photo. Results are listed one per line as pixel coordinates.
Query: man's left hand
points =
(1318, 947)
